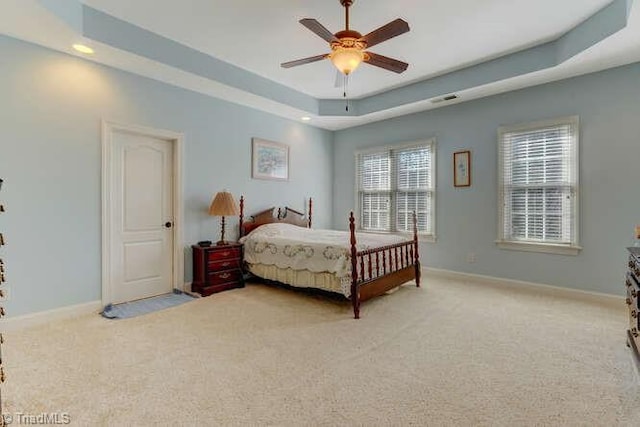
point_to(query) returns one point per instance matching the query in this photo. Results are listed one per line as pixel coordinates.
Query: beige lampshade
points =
(224, 205)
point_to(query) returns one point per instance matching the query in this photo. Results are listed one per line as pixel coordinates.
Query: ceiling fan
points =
(348, 46)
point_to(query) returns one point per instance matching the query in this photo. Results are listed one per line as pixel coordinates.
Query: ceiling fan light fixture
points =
(349, 47)
(347, 59)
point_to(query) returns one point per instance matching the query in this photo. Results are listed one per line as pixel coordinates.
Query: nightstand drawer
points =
(220, 277)
(634, 267)
(222, 254)
(226, 264)
(632, 284)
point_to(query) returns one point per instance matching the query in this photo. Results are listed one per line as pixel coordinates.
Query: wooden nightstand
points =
(217, 268)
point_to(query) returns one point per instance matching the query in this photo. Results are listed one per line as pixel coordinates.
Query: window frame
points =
(430, 142)
(572, 248)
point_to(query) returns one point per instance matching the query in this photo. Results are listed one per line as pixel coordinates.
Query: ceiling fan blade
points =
(386, 32)
(319, 29)
(304, 61)
(386, 62)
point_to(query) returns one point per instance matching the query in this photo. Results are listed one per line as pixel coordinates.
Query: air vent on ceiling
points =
(444, 98)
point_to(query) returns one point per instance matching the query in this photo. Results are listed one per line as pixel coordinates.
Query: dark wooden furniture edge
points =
(631, 343)
(632, 285)
(373, 288)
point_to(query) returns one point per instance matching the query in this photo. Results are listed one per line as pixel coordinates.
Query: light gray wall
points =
(50, 157)
(608, 104)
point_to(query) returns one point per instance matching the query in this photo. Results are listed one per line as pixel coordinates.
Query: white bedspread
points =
(298, 248)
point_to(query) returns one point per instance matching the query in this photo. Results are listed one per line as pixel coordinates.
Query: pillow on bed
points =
(263, 216)
(292, 216)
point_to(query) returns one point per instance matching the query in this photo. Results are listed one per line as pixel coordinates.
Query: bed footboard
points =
(377, 270)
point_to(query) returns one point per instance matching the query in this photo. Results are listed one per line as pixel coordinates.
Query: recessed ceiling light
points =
(83, 48)
(305, 118)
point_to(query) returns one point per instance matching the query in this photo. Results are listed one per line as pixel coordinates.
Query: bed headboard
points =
(286, 216)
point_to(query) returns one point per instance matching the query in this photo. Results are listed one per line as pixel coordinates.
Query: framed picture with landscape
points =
(270, 160)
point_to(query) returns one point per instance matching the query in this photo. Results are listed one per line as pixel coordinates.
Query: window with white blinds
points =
(539, 183)
(392, 183)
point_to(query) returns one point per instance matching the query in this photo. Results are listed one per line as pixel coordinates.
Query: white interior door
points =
(141, 217)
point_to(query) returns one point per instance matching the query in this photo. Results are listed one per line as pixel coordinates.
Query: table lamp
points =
(223, 204)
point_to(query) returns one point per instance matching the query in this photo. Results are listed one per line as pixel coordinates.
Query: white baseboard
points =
(33, 319)
(539, 287)
(41, 317)
(186, 288)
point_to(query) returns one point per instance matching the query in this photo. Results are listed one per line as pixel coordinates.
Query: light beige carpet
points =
(450, 353)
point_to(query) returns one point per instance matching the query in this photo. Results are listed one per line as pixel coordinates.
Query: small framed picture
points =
(269, 160)
(462, 168)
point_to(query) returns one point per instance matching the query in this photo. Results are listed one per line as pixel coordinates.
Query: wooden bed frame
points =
(394, 264)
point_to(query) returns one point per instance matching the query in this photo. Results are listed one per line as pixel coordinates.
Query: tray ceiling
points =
(232, 50)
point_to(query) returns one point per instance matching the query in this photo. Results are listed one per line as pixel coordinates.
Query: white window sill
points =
(547, 248)
(429, 238)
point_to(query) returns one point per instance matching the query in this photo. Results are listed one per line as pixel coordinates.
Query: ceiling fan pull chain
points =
(344, 85)
(346, 89)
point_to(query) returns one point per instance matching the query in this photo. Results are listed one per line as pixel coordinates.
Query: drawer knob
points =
(634, 293)
(628, 301)
(628, 283)
(226, 264)
(634, 332)
(225, 276)
(634, 314)
(226, 253)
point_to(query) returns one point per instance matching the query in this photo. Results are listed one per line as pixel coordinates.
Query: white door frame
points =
(177, 141)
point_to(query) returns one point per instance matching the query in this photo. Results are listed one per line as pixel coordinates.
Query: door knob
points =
(168, 224)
